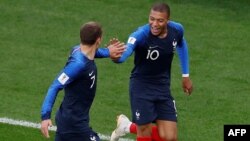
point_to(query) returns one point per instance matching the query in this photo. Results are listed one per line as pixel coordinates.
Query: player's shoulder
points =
(142, 31)
(145, 29)
(77, 58)
(176, 25)
(74, 49)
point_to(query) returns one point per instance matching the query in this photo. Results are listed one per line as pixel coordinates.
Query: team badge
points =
(137, 114)
(92, 138)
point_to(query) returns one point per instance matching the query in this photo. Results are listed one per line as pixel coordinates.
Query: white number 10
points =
(153, 54)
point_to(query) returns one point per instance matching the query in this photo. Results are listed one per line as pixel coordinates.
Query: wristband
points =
(185, 75)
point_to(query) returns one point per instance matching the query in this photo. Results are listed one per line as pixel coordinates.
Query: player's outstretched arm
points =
(114, 50)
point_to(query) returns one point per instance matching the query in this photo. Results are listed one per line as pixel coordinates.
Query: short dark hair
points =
(161, 7)
(90, 32)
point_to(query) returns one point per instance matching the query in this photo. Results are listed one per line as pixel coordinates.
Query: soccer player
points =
(78, 79)
(154, 45)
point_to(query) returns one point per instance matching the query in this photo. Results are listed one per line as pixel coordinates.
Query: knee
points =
(168, 137)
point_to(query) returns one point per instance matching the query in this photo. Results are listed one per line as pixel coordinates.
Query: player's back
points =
(73, 115)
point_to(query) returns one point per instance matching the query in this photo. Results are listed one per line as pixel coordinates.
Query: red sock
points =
(143, 138)
(155, 134)
(133, 128)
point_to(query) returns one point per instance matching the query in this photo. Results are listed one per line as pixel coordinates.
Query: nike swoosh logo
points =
(91, 73)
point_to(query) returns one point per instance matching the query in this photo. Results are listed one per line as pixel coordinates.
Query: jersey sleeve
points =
(66, 76)
(182, 51)
(133, 41)
(102, 53)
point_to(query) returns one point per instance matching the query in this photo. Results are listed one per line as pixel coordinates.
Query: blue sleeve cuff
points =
(126, 54)
(46, 116)
(102, 53)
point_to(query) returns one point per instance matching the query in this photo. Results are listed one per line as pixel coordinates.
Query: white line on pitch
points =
(53, 128)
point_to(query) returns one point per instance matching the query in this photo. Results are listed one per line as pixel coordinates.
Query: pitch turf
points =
(36, 37)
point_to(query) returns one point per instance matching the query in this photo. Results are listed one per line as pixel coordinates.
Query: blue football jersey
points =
(153, 55)
(78, 79)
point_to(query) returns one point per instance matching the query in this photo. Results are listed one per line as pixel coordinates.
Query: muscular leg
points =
(144, 132)
(124, 126)
(167, 130)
